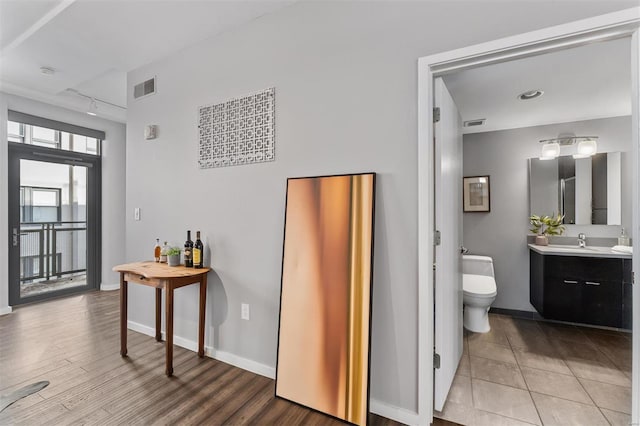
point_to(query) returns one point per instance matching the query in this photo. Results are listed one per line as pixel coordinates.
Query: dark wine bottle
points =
(188, 251)
(198, 251)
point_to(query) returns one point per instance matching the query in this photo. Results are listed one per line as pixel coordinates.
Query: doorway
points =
(575, 34)
(54, 203)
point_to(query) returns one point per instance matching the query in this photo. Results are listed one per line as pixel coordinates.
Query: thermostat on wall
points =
(150, 132)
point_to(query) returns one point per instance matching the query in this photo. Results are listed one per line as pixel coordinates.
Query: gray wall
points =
(502, 233)
(113, 183)
(346, 97)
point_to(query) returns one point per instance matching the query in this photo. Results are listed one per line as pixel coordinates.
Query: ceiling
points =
(583, 83)
(92, 44)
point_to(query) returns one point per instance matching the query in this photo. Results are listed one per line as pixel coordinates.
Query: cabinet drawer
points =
(583, 268)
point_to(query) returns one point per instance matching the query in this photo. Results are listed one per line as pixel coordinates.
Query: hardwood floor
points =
(74, 344)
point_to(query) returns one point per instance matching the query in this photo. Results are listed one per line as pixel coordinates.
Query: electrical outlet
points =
(136, 213)
(244, 311)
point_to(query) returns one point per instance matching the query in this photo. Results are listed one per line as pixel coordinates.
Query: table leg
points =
(158, 314)
(123, 315)
(203, 306)
(169, 326)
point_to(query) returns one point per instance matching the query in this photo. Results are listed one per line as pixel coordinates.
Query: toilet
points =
(479, 292)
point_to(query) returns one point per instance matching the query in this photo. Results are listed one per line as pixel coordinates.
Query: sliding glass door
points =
(54, 220)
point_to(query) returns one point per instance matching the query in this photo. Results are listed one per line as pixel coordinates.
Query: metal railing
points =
(52, 249)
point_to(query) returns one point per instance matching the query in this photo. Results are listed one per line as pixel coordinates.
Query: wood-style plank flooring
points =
(74, 344)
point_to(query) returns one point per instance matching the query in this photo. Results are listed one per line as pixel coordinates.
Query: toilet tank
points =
(477, 265)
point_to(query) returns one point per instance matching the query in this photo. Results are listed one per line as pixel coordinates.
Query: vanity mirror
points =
(587, 191)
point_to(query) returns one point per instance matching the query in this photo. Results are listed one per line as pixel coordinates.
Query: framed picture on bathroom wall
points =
(476, 194)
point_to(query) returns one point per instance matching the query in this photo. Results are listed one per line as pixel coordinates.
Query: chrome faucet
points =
(582, 240)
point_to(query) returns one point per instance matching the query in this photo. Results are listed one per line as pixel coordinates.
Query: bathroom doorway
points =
(600, 29)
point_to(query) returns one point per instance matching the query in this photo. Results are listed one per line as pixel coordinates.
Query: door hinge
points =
(436, 238)
(436, 360)
(436, 114)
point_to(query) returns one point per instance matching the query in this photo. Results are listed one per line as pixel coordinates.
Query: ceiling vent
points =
(145, 88)
(473, 123)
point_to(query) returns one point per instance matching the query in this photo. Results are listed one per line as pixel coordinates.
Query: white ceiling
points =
(92, 44)
(584, 83)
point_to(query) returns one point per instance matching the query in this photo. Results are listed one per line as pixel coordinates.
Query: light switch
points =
(136, 213)
(244, 314)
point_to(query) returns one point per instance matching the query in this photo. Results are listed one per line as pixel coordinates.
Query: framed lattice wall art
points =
(238, 131)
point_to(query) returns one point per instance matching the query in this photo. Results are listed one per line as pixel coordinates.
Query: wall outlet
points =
(136, 213)
(244, 311)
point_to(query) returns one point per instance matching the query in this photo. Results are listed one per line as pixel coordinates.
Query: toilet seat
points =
(479, 285)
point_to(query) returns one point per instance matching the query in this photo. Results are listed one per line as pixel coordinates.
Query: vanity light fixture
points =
(587, 146)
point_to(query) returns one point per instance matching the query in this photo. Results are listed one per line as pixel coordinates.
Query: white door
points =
(448, 221)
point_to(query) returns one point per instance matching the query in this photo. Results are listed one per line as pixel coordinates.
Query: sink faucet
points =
(582, 240)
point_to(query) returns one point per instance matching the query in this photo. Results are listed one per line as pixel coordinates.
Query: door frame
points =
(624, 23)
(19, 151)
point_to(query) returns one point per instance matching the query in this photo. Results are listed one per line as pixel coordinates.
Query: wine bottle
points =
(198, 250)
(188, 251)
(157, 250)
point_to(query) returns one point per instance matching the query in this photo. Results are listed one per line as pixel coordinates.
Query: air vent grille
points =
(472, 123)
(145, 88)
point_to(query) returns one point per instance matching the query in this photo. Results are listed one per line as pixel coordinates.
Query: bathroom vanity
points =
(589, 285)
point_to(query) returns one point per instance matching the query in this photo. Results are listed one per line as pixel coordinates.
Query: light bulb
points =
(587, 148)
(550, 151)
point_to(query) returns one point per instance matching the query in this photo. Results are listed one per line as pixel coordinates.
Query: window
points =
(15, 132)
(39, 204)
(31, 130)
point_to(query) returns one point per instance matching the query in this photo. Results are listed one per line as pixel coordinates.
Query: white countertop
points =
(589, 251)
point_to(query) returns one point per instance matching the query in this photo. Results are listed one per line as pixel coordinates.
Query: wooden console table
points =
(161, 276)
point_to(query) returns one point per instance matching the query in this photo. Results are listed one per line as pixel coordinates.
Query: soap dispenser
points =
(623, 239)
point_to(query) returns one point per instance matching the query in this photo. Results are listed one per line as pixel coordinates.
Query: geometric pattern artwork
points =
(238, 131)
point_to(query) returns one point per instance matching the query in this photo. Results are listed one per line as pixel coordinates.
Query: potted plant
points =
(545, 226)
(173, 256)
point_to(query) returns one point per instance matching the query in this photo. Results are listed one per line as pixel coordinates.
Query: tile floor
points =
(526, 372)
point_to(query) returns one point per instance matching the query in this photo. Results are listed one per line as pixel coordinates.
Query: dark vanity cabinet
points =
(588, 290)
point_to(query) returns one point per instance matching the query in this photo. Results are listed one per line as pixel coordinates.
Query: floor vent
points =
(145, 88)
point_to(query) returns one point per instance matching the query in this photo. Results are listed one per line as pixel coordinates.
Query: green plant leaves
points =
(547, 225)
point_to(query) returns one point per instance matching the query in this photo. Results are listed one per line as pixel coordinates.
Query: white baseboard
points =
(244, 363)
(380, 408)
(401, 415)
(6, 310)
(227, 357)
(109, 287)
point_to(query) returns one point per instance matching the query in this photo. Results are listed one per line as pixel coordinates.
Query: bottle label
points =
(197, 254)
(187, 254)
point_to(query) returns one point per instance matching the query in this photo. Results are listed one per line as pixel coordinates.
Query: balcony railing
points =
(52, 249)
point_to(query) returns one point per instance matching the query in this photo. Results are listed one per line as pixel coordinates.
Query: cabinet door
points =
(602, 303)
(627, 294)
(562, 299)
(627, 301)
(536, 281)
